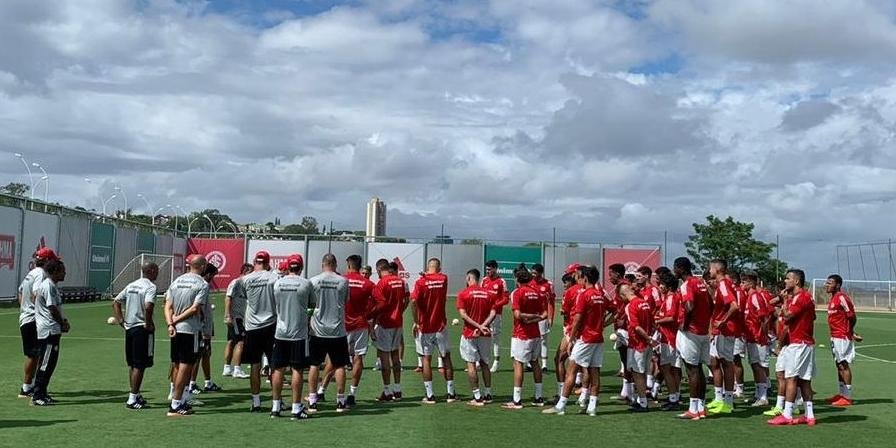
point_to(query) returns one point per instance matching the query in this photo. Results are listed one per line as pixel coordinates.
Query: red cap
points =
(282, 266)
(572, 268)
(45, 253)
(295, 260)
(262, 257)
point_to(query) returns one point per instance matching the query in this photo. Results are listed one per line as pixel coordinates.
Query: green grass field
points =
(91, 385)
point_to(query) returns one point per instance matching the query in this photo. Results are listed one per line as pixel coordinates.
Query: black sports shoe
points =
(212, 388)
(195, 390)
(311, 408)
(429, 400)
(26, 394)
(350, 400)
(41, 401)
(341, 407)
(321, 398)
(396, 396)
(275, 414)
(671, 406)
(137, 405)
(179, 412)
(142, 401)
(538, 402)
(487, 399)
(255, 409)
(637, 408)
(451, 398)
(301, 415)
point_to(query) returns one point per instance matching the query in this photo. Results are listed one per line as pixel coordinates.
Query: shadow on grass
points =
(31, 423)
(842, 419)
(872, 401)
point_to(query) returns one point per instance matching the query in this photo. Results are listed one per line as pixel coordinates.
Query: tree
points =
(733, 242)
(15, 189)
(308, 226)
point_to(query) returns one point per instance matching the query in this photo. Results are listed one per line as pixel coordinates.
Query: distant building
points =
(376, 219)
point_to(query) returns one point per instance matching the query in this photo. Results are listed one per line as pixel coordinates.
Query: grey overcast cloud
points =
(612, 121)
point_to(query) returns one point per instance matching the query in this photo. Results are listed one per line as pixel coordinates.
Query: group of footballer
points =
(666, 323)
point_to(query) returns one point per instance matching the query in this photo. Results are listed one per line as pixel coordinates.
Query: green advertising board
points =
(146, 243)
(102, 256)
(509, 257)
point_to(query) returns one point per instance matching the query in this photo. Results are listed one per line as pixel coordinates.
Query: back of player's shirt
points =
(31, 281)
(639, 315)
(360, 301)
(46, 296)
(528, 301)
(390, 293)
(184, 291)
(329, 293)
(135, 296)
(725, 295)
(497, 287)
(694, 290)
(840, 311)
(237, 293)
(429, 296)
(259, 287)
(755, 312)
(592, 304)
(669, 307)
(478, 303)
(292, 297)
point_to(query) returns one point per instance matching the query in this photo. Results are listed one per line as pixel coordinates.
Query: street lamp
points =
(125, 197)
(232, 226)
(190, 225)
(143, 198)
(106, 202)
(27, 168)
(46, 179)
(212, 226)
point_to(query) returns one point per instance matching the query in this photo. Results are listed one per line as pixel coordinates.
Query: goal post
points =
(872, 295)
(133, 271)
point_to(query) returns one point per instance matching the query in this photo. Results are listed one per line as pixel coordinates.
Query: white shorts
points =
(843, 350)
(669, 356)
(476, 349)
(621, 339)
(740, 347)
(722, 347)
(525, 350)
(757, 354)
(388, 339)
(495, 326)
(427, 343)
(801, 361)
(782, 360)
(357, 342)
(638, 361)
(693, 348)
(543, 327)
(587, 354)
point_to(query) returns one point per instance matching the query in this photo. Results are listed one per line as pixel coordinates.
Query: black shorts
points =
(205, 346)
(259, 342)
(335, 348)
(184, 348)
(236, 332)
(30, 347)
(139, 345)
(290, 354)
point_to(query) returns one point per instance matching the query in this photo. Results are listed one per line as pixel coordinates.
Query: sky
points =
(611, 121)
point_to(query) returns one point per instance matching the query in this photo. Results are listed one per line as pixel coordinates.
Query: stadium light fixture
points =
(46, 179)
(105, 202)
(28, 169)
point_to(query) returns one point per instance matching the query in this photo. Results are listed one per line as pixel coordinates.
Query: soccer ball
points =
(455, 322)
(111, 320)
(820, 345)
(213, 306)
(613, 337)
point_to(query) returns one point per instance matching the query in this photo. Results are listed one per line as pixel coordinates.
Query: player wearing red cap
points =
(842, 324)
(292, 297)
(639, 318)
(27, 325)
(234, 318)
(497, 287)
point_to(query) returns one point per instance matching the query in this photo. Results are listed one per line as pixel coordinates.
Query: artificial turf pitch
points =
(90, 384)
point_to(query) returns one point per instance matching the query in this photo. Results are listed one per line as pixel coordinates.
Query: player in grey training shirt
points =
(183, 302)
(51, 323)
(207, 314)
(260, 321)
(292, 295)
(328, 337)
(27, 326)
(234, 317)
(139, 299)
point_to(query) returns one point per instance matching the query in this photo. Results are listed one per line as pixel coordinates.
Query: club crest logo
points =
(217, 258)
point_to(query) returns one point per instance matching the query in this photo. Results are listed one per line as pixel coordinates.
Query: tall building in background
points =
(376, 218)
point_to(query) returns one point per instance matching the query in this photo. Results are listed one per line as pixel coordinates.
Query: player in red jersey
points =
(842, 323)
(571, 291)
(477, 309)
(740, 346)
(799, 355)
(391, 299)
(692, 340)
(725, 330)
(651, 294)
(586, 330)
(428, 308)
(616, 273)
(497, 287)
(544, 287)
(757, 314)
(640, 342)
(529, 308)
(668, 317)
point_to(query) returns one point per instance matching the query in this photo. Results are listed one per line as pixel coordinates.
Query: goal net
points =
(876, 295)
(133, 271)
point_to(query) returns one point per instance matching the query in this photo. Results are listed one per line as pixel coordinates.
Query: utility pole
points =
(777, 257)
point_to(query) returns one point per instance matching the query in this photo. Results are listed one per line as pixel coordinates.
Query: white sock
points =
(701, 405)
(788, 409)
(583, 395)
(237, 369)
(450, 387)
(256, 400)
(738, 388)
(186, 396)
(780, 402)
(561, 403)
(396, 387)
(312, 398)
(208, 383)
(842, 386)
(719, 392)
(642, 401)
(27, 387)
(192, 385)
(592, 403)
(228, 367)
(810, 410)
(693, 407)
(340, 398)
(674, 398)
(352, 390)
(296, 408)
(428, 386)
(538, 390)
(728, 397)
(517, 394)
(625, 388)
(175, 404)
(276, 405)
(496, 351)
(171, 389)
(650, 382)
(476, 394)
(132, 398)
(656, 388)
(488, 391)
(761, 392)
(387, 389)
(559, 389)
(420, 362)
(578, 377)
(441, 363)
(847, 391)
(629, 389)
(320, 390)
(544, 362)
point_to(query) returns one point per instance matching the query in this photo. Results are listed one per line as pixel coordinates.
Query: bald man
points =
(183, 301)
(138, 298)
